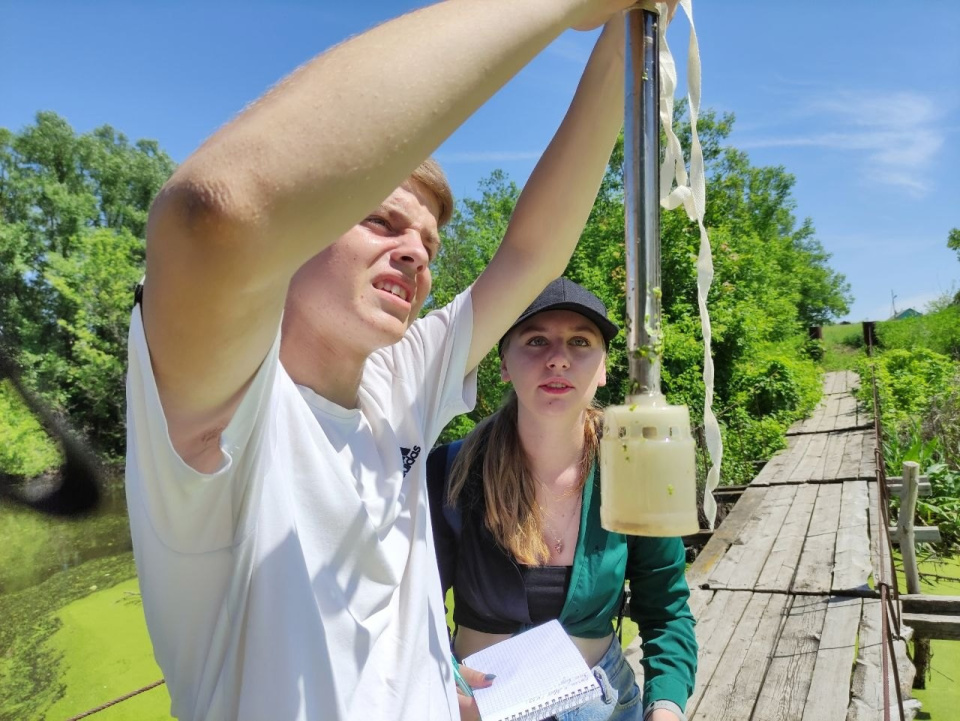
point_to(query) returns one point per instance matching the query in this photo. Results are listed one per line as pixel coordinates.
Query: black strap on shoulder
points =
(452, 450)
(439, 463)
(453, 515)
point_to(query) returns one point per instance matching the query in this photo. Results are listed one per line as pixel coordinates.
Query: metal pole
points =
(642, 190)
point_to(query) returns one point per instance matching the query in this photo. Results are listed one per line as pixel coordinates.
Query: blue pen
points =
(461, 681)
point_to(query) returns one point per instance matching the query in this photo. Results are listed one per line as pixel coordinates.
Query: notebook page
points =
(538, 669)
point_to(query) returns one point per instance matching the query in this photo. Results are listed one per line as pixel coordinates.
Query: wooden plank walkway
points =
(787, 620)
(838, 410)
(827, 457)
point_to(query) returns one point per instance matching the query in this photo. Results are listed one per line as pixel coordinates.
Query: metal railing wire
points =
(114, 702)
(889, 591)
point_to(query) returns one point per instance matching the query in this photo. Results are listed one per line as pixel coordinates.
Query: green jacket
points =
(488, 580)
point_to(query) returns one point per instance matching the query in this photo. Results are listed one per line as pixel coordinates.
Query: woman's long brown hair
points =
(509, 488)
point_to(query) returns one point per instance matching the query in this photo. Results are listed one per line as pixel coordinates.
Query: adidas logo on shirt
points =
(410, 456)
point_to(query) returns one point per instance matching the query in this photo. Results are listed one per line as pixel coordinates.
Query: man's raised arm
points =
(302, 165)
(556, 201)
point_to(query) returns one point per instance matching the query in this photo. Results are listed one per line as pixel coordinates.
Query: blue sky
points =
(860, 100)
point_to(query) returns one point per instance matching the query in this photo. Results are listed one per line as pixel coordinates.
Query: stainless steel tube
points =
(641, 169)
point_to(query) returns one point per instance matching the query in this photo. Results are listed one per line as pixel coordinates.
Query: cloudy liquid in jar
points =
(648, 471)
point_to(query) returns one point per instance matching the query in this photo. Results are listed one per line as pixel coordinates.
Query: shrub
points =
(938, 331)
(907, 381)
(815, 349)
(25, 449)
(778, 381)
(748, 442)
(920, 411)
(942, 507)
(942, 421)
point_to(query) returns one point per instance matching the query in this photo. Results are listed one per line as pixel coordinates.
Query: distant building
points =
(908, 313)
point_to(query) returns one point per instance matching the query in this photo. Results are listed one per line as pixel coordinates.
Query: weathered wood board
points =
(811, 538)
(837, 412)
(778, 657)
(840, 382)
(822, 458)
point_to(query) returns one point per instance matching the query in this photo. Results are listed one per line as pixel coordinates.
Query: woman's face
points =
(556, 361)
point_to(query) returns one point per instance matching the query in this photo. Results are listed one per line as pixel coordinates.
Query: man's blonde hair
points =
(431, 176)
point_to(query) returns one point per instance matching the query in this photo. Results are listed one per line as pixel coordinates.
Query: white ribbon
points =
(676, 190)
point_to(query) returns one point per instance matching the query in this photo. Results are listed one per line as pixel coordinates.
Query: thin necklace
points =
(558, 540)
(576, 488)
(566, 494)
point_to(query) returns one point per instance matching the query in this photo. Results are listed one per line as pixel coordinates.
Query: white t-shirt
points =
(299, 581)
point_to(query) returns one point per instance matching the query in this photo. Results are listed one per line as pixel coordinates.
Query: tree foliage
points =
(25, 449)
(73, 212)
(953, 240)
(772, 281)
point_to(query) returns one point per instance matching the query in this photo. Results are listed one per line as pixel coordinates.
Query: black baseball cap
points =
(564, 294)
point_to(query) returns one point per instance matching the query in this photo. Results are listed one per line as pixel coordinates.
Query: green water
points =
(73, 634)
(34, 547)
(941, 697)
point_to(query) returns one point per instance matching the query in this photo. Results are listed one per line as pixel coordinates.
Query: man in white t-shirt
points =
(275, 476)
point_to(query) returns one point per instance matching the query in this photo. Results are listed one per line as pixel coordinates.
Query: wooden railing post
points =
(908, 507)
(869, 335)
(908, 551)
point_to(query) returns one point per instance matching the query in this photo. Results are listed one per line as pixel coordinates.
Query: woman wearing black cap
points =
(516, 513)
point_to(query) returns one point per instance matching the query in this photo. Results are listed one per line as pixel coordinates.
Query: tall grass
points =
(842, 346)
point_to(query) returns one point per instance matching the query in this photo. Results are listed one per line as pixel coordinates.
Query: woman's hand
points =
(468, 704)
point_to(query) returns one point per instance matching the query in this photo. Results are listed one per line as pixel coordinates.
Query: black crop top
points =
(546, 591)
(492, 593)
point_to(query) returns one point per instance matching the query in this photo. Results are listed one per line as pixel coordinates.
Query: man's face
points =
(369, 286)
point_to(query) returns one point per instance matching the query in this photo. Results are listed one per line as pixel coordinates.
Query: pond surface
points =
(34, 547)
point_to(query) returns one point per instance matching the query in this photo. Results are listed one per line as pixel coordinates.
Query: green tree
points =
(94, 284)
(772, 279)
(469, 242)
(953, 240)
(73, 212)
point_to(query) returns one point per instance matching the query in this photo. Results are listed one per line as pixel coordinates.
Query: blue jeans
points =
(621, 699)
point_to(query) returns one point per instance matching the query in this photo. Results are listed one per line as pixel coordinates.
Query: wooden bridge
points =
(784, 591)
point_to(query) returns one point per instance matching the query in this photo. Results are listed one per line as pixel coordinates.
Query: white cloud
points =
(897, 135)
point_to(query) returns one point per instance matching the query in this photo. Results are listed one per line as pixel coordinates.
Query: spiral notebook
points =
(539, 672)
